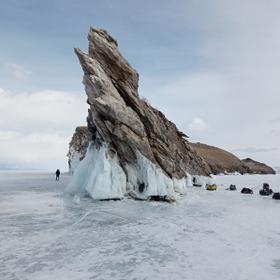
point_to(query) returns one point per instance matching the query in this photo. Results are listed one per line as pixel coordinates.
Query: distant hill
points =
(221, 161)
(258, 167)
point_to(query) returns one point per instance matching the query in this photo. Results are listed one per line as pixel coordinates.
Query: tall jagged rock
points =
(143, 142)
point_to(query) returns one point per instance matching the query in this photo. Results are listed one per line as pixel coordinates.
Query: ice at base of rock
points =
(102, 177)
(98, 175)
(74, 160)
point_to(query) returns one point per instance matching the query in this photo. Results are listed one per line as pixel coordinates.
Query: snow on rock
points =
(102, 177)
(99, 175)
(74, 158)
(78, 147)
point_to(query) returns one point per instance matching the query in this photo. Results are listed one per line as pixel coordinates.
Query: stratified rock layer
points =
(128, 125)
(78, 147)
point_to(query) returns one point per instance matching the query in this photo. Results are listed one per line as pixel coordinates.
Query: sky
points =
(210, 66)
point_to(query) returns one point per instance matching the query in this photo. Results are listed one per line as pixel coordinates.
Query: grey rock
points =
(126, 123)
(256, 167)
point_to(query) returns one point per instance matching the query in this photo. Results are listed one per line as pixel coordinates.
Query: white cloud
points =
(18, 71)
(36, 150)
(197, 125)
(35, 128)
(41, 111)
(253, 150)
(235, 87)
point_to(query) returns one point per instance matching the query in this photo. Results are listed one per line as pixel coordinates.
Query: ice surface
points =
(219, 235)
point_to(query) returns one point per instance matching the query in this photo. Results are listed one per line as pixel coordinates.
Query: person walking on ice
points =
(57, 173)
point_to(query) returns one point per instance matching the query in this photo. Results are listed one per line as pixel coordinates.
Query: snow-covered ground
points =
(218, 235)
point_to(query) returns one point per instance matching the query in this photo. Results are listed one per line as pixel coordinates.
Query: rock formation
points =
(78, 147)
(134, 143)
(258, 167)
(220, 161)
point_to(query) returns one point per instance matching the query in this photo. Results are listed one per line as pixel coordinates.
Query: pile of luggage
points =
(212, 187)
(266, 190)
(247, 191)
(232, 188)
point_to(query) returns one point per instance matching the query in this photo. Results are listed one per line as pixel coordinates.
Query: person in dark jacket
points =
(57, 173)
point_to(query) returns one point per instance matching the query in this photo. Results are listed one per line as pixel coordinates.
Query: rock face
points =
(258, 167)
(78, 147)
(148, 148)
(220, 161)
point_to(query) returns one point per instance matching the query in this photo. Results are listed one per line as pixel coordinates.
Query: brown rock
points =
(220, 161)
(78, 147)
(258, 167)
(126, 123)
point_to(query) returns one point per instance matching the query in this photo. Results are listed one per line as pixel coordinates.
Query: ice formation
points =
(102, 177)
(99, 175)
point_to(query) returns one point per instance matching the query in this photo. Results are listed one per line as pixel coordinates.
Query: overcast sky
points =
(212, 66)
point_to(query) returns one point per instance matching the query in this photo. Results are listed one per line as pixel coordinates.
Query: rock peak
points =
(102, 33)
(142, 139)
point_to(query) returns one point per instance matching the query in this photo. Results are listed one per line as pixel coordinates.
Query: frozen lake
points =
(218, 235)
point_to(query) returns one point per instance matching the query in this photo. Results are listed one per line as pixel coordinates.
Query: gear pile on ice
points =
(134, 148)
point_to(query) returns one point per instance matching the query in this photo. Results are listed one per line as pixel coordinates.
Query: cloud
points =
(197, 124)
(18, 71)
(234, 84)
(34, 150)
(252, 150)
(36, 127)
(43, 111)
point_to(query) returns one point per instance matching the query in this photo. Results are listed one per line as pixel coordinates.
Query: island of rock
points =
(224, 162)
(258, 167)
(132, 147)
(219, 160)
